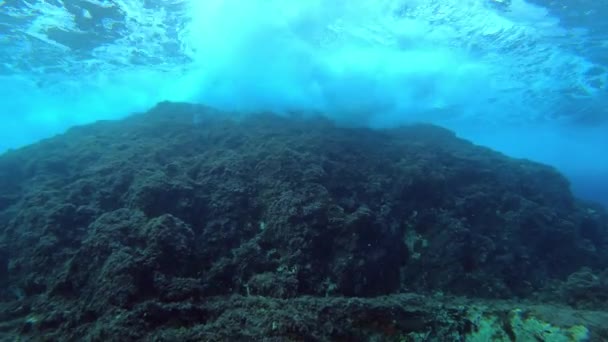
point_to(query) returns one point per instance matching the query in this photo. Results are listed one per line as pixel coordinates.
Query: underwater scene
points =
(304, 170)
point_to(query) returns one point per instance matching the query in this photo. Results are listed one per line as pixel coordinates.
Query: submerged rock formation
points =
(176, 218)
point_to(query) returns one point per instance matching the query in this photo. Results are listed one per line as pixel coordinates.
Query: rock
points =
(186, 223)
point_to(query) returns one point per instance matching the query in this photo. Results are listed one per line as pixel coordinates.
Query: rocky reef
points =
(186, 223)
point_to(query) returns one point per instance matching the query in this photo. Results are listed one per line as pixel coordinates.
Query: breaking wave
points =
(497, 64)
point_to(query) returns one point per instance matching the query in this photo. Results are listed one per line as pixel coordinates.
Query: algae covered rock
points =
(520, 325)
(158, 220)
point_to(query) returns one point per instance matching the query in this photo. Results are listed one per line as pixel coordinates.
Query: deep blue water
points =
(528, 78)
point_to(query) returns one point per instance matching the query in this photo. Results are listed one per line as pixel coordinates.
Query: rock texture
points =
(187, 223)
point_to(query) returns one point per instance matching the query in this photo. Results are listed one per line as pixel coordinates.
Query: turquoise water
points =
(528, 78)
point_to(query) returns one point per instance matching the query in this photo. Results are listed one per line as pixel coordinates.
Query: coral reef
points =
(185, 223)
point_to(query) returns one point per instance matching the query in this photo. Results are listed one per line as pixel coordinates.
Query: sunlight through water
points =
(525, 77)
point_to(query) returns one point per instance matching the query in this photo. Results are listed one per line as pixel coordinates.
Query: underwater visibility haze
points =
(303, 170)
(525, 77)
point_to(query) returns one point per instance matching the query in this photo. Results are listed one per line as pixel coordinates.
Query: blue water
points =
(528, 78)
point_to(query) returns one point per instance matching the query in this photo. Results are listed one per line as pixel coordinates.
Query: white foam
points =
(384, 62)
(401, 58)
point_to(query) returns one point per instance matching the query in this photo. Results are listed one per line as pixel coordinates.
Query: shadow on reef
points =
(171, 210)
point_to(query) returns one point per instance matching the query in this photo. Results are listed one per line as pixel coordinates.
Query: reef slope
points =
(186, 223)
